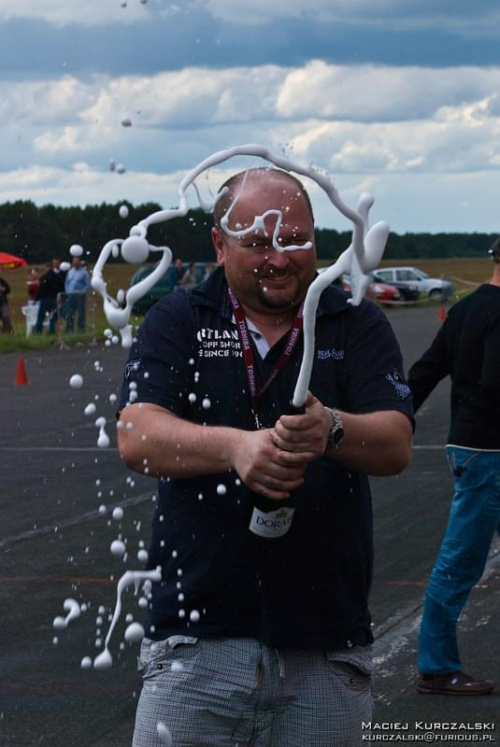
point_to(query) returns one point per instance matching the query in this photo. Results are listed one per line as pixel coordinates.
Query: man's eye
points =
(256, 246)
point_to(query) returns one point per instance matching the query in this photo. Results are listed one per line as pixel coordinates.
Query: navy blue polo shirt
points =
(308, 589)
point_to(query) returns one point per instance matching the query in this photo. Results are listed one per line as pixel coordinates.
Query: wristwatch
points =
(336, 433)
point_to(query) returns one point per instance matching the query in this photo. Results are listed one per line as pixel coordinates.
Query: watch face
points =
(337, 435)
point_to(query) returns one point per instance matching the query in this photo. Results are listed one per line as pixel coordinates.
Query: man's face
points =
(262, 278)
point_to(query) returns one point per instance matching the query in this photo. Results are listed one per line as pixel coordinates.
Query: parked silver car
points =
(412, 277)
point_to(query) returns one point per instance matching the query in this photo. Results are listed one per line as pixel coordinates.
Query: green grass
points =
(20, 343)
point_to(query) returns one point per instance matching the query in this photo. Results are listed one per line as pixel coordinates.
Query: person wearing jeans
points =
(76, 286)
(467, 348)
(475, 509)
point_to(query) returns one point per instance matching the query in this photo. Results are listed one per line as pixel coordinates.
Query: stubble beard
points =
(279, 300)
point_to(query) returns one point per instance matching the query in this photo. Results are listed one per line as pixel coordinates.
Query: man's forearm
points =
(154, 441)
(377, 443)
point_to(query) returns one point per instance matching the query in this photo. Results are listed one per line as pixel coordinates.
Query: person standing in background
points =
(466, 348)
(51, 284)
(188, 280)
(32, 285)
(76, 286)
(4, 307)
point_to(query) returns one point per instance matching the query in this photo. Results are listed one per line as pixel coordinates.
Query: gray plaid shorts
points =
(236, 692)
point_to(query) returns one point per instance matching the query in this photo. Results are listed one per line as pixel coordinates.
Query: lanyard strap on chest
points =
(244, 336)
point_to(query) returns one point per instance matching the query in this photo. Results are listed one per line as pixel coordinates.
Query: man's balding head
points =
(234, 184)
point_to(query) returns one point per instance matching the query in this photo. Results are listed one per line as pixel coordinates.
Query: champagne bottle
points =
(273, 518)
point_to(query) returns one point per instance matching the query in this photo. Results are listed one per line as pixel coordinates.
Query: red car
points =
(384, 294)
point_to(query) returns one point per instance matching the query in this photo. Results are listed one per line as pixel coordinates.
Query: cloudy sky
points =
(400, 97)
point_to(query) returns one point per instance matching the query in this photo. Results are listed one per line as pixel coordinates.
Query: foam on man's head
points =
(231, 187)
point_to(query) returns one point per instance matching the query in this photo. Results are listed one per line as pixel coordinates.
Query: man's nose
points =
(278, 258)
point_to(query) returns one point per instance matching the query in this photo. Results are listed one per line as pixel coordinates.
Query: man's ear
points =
(220, 251)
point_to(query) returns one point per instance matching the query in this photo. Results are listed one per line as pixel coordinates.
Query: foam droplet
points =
(104, 660)
(135, 250)
(76, 381)
(118, 513)
(90, 409)
(142, 556)
(206, 404)
(86, 662)
(117, 548)
(123, 211)
(65, 266)
(164, 734)
(76, 250)
(194, 616)
(221, 489)
(134, 633)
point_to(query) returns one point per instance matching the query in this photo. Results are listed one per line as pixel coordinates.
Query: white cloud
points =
(365, 124)
(374, 118)
(46, 101)
(377, 92)
(456, 139)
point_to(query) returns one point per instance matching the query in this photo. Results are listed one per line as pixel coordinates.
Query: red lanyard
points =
(248, 358)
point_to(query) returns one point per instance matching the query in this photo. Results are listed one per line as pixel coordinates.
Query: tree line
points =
(39, 233)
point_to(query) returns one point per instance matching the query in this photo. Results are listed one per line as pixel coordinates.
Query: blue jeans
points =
(474, 517)
(47, 306)
(75, 302)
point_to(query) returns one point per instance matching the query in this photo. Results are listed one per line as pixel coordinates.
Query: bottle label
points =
(271, 524)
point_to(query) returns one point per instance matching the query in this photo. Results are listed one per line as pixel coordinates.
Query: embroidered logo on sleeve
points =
(332, 353)
(402, 389)
(132, 367)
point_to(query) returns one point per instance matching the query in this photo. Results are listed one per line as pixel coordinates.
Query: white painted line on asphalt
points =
(88, 516)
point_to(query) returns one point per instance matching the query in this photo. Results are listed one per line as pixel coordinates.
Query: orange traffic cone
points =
(21, 376)
(442, 313)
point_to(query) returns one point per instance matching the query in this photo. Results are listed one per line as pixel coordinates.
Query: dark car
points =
(409, 294)
(166, 284)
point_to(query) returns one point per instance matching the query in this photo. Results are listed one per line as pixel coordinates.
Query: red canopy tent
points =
(10, 261)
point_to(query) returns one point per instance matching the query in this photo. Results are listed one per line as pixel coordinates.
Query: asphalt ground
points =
(54, 544)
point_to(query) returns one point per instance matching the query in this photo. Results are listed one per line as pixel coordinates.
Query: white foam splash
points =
(361, 257)
(72, 607)
(104, 660)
